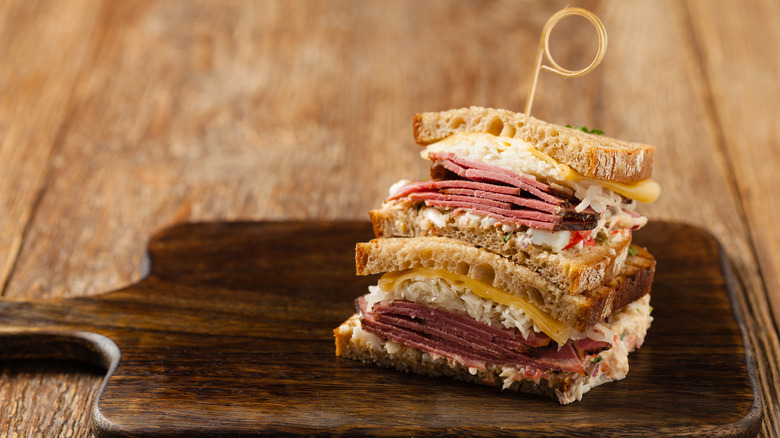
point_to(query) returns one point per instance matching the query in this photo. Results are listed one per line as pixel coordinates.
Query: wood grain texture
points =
(44, 48)
(232, 333)
(119, 118)
(34, 104)
(742, 73)
(44, 393)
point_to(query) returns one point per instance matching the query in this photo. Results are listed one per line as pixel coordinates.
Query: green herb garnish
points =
(586, 130)
(632, 251)
(597, 359)
(509, 235)
(623, 335)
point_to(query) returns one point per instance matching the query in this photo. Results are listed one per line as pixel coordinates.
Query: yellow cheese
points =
(556, 330)
(643, 191)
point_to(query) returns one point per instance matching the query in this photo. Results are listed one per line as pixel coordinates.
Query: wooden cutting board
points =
(231, 333)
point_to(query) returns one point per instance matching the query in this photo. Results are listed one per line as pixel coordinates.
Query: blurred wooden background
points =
(118, 118)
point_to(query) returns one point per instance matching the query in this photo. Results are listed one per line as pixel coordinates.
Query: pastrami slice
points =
(464, 185)
(473, 343)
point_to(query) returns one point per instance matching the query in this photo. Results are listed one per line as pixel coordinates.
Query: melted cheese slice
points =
(643, 191)
(556, 330)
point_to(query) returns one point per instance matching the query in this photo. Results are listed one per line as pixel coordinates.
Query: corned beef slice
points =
(473, 343)
(464, 185)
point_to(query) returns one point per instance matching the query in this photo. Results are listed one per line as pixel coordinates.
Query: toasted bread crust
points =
(634, 281)
(580, 311)
(597, 157)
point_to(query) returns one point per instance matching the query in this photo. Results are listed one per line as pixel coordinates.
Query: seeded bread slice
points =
(578, 311)
(573, 270)
(594, 156)
(352, 343)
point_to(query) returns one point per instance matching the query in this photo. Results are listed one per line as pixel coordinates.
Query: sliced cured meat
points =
(527, 217)
(480, 190)
(501, 174)
(459, 200)
(484, 175)
(474, 344)
(463, 185)
(588, 346)
(525, 183)
(486, 332)
(516, 200)
(418, 186)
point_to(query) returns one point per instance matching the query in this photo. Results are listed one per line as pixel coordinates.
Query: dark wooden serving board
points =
(230, 333)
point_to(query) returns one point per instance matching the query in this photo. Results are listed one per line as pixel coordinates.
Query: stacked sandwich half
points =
(513, 264)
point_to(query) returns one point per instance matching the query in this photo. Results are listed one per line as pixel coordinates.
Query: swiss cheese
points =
(556, 330)
(643, 191)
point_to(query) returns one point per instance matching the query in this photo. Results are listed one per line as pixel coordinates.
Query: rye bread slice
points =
(574, 270)
(594, 156)
(580, 311)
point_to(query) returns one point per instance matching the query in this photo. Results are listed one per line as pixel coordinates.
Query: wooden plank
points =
(47, 398)
(244, 346)
(44, 46)
(222, 125)
(34, 37)
(249, 112)
(698, 172)
(200, 111)
(740, 65)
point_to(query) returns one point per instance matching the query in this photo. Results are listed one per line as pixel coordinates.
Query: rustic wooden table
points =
(120, 118)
